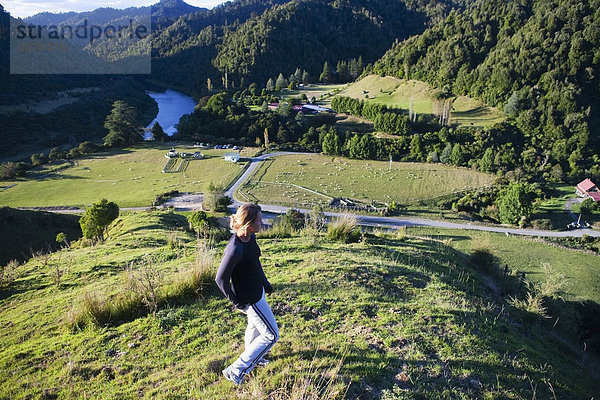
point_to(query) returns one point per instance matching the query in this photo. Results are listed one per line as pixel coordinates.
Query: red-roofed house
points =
(587, 188)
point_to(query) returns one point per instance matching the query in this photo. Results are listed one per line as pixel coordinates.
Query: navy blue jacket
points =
(240, 275)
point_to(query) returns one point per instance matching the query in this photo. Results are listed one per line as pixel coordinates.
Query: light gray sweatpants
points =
(261, 334)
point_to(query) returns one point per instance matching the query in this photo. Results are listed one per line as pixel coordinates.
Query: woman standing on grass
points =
(242, 280)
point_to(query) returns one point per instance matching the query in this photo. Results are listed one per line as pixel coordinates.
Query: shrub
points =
(8, 273)
(282, 228)
(145, 281)
(193, 281)
(401, 233)
(161, 198)
(482, 257)
(532, 304)
(344, 229)
(198, 221)
(536, 300)
(222, 203)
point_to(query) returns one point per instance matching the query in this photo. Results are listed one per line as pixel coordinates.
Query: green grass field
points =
(396, 93)
(388, 318)
(285, 180)
(318, 91)
(529, 255)
(130, 177)
(554, 208)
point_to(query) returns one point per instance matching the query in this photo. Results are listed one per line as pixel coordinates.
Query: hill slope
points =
(539, 60)
(391, 317)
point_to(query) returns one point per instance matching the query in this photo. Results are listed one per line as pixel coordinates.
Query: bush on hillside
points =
(344, 229)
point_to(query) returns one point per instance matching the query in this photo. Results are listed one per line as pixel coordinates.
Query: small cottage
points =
(587, 188)
(233, 157)
(172, 153)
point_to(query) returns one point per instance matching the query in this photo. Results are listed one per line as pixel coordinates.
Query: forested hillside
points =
(539, 60)
(304, 34)
(249, 41)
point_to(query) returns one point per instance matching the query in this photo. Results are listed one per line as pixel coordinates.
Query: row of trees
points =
(384, 119)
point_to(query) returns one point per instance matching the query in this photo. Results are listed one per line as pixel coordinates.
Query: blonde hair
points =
(245, 215)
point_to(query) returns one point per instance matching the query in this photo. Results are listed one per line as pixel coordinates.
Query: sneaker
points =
(262, 362)
(230, 376)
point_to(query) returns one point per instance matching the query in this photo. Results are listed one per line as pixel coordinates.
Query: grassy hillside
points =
(285, 180)
(397, 93)
(530, 255)
(131, 177)
(394, 316)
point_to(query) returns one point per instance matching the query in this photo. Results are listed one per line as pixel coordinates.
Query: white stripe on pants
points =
(261, 334)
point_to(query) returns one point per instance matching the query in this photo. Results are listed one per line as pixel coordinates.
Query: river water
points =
(171, 106)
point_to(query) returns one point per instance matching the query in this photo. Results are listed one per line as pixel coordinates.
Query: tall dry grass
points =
(344, 228)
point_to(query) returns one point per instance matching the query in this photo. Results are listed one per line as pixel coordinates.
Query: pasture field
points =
(529, 255)
(391, 317)
(319, 91)
(397, 93)
(131, 177)
(553, 209)
(307, 180)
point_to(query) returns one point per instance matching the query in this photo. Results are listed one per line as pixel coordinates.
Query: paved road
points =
(191, 203)
(569, 204)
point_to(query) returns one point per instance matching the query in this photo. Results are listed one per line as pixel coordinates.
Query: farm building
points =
(171, 153)
(233, 157)
(587, 188)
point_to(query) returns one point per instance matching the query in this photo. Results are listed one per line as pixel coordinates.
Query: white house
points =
(171, 153)
(233, 157)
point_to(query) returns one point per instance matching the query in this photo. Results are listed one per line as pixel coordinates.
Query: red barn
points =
(587, 188)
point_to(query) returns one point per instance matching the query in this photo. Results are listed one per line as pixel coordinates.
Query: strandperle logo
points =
(82, 31)
(121, 46)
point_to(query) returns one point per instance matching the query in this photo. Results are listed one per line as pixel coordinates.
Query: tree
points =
(511, 109)
(446, 153)
(123, 127)
(458, 154)
(281, 82)
(306, 78)
(95, 219)
(214, 198)
(487, 161)
(38, 159)
(326, 75)
(158, 133)
(198, 221)
(416, 148)
(11, 170)
(514, 203)
(61, 237)
(588, 206)
(266, 136)
(332, 143)
(56, 154)
(270, 85)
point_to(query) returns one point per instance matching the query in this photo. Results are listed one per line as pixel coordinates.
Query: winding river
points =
(171, 106)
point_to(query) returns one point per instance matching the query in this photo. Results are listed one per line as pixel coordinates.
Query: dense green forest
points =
(250, 41)
(536, 59)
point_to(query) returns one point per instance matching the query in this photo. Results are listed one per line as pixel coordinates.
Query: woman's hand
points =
(243, 309)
